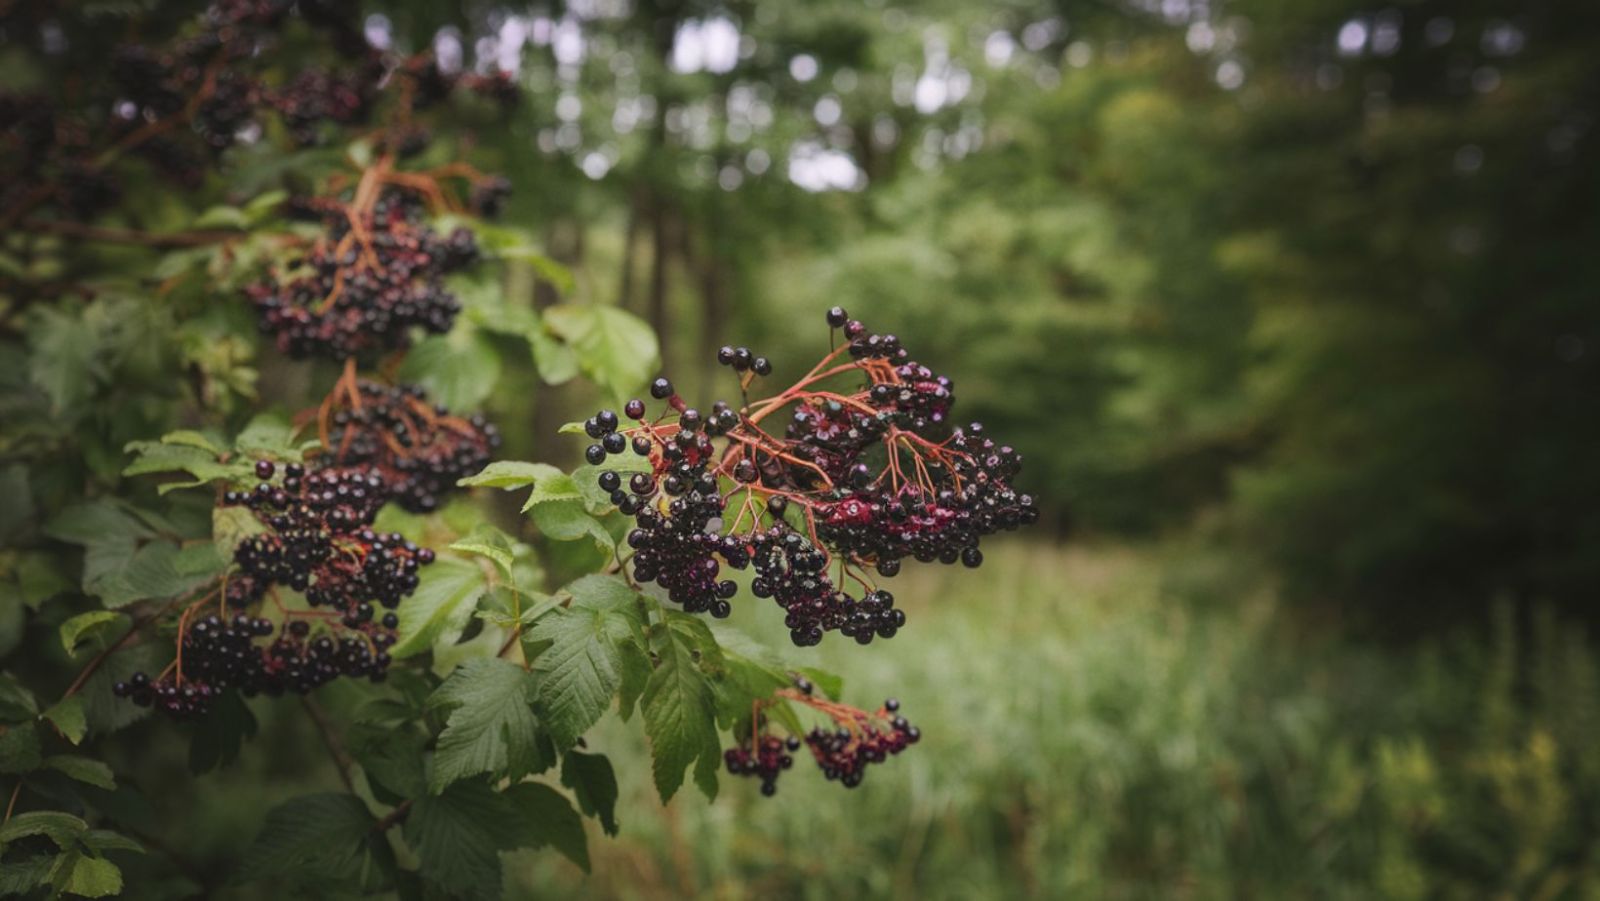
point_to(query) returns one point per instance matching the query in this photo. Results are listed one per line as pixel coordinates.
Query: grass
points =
(1097, 723)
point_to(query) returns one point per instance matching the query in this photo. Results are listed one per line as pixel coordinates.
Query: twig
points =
(341, 759)
(398, 815)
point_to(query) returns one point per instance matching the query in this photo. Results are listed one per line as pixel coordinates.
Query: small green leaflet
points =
(580, 670)
(61, 828)
(441, 607)
(594, 784)
(510, 475)
(459, 369)
(70, 718)
(680, 719)
(83, 769)
(545, 817)
(96, 625)
(314, 839)
(458, 837)
(615, 349)
(491, 728)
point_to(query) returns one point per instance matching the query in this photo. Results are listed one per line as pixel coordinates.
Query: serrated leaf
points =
(491, 728)
(268, 435)
(65, 361)
(567, 520)
(489, 542)
(458, 836)
(594, 784)
(313, 838)
(151, 572)
(69, 716)
(578, 674)
(157, 457)
(545, 817)
(61, 828)
(83, 769)
(556, 487)
(19, 748)
(459, 369)
(105, 711)
(76, 873)
(441, 606)
(24, 876)
(191, 438)
(510, 475)
(615, 348)
(680, 721)
(101, 626)
(221, 216)
(97, 522)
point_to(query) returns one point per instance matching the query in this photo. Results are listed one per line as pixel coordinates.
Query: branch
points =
(398, 815)
(341, 758)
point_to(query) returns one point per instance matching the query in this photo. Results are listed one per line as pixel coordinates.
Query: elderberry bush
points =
(864, 476)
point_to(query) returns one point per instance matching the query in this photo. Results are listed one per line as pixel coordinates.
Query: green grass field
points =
(1094, 727)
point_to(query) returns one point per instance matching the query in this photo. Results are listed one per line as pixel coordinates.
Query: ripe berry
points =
(634, 409)
(660, 389)
(595, 454)
(837, 317)
(264, 469)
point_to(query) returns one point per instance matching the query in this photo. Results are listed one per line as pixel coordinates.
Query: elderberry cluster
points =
(318, 541)
(875, 473)
(771, 756)
(418, 449)
(844, 754)
(353, 294)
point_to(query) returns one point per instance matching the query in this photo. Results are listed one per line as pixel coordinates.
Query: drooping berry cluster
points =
(417, 448)
(863, 477)
(317, 542)
(361, 290)
(855, 740)
(771, 756)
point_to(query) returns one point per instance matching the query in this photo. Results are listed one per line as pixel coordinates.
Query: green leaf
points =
(268, 435)
(152, 572)
(102, 840)
(545, 817)
(83, 769)
(19, 748)
(567, 520)
(159, 457)
(458, 836)
(491, 728)
(65, 361)
(231, 525)
(680, 721)
(17, 703)
(441, 606)
(830, 684)
(61, 828)
(488, 541)
(459, 369)
(557, 487)
(24, 876)
(105, 711)
(511, 475)
(13, 620)
(312, 838)
(101, 626)
(555, 361)
(615, 348)
(594, 783)
(70, 718)
(393, 758)
(76, 873)
(579, 673)
(220, 217)
(220, 735)
(97, 522)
